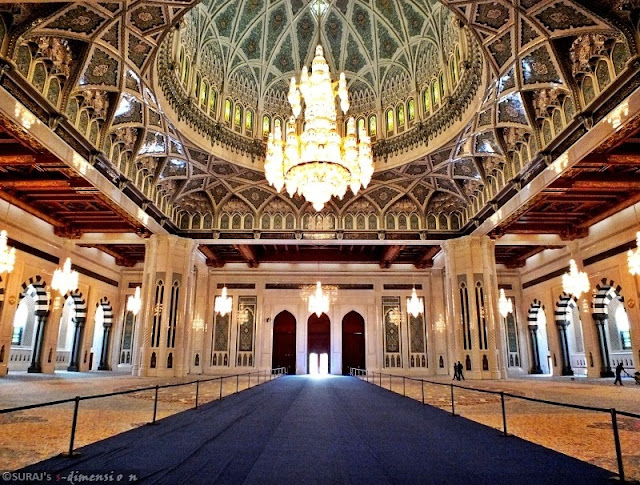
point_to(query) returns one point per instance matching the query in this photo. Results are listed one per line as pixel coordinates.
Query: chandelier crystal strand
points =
(318, 301)
(414, 304)
(7, 255)
(223, 303)
(633, 257)
(134, 302)
(65, 280)
(505, 305)
(575, 282)
(318, 163)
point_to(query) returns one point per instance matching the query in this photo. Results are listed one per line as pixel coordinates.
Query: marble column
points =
(480, 343)
(166, 315)
(535, 351)
(605, 361)
(564, 348)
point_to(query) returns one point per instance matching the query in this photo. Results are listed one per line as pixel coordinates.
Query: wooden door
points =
(284, 342)
(353, 353)
(319, 336)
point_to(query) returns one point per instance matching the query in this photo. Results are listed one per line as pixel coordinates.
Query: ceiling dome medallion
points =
(318, 163)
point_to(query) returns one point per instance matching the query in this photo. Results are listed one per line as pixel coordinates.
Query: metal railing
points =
(264, 375)
(370, 377)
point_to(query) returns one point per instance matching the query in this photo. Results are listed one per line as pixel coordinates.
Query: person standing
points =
(455, 372)
(619, 370)
(460, 374)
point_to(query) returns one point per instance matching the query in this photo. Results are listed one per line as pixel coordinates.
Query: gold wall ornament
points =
(631, 303)
(12, 300)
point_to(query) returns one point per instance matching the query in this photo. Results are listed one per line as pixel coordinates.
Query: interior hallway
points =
(330, 430)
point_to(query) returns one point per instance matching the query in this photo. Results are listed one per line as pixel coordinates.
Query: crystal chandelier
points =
(223, 303)
(633, 257)
(65, 280)
(319, 301)
(134, 302)
(318, 163)
(7, 256)
(505, 305)
(575, 282)
(414, 304)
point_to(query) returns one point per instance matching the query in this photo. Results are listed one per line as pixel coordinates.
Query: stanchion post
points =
(155, 406)
(616, 439)
(390, 384)
(422, 386)
(197, 392)
(249, 381)
(237, 382)
(404, 393)
(74, 424)
(380, 379)
(221, 388)
(453, 406)
(504, 414)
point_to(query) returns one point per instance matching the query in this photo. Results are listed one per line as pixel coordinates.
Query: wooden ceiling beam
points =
(213, 261)
(248, 254)
(426, 260)
(20, 203)
(390, 255)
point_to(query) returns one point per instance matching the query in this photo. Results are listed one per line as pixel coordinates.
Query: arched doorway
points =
(319, 339)
(570, 336)
(66, 331)
(540, 354)
(284, 342)
(29, 323)
(353, 353)
(612, 323)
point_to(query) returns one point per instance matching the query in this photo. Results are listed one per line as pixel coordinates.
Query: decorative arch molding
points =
(565, 303)
(107, 324)
(532, 314)
(605, 292)
(108, 311)
(36, 287)
(80, 306)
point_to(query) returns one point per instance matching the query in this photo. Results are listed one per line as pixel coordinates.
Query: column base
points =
(34, 369)
(104, 367)
(73, 368)
(536, 370)
(567, 372)
(607, 373)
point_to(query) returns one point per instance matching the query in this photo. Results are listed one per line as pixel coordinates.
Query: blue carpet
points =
(336, 430)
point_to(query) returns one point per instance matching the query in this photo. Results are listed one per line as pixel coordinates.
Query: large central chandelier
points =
(633, 257)
(7, 255)
(65, 280)
(575, 282)
(319, 301)
(318, 163)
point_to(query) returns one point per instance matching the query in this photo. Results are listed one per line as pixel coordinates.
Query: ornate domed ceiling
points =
(505, 92)
(266, 43)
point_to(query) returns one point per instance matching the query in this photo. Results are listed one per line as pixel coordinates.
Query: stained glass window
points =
(400, 113)
(411, 110)
(390, 121)
(237, 117)
(373, 126)
(427, 100)
(248, 121)
(227, 110)
(266, 126)
(361, 126)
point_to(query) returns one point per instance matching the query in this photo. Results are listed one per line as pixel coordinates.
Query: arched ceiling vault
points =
(525, 44)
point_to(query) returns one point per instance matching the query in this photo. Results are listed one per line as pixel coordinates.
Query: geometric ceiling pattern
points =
(267, 42)
(535, 56)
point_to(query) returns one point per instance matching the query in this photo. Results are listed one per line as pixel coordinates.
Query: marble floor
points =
(33, 435)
